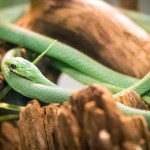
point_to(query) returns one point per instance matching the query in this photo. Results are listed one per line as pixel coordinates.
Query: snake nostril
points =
(13, 66)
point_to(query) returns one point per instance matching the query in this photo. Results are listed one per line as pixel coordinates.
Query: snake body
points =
(45, 93)
(70, 56)
(30, 89)
(64, 53)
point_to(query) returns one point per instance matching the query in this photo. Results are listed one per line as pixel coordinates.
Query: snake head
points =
(13, 64)
(22, 67)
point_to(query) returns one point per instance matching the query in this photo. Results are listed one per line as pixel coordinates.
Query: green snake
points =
(70, 56)
(25, 78)
(39, 87)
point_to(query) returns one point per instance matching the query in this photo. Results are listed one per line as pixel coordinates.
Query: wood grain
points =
(91, 121)
(130, 4)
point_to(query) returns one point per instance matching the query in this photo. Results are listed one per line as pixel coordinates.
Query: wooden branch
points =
(32, 132)
(129, 4)
(51, 127)
(9, 137)
(91, 121)
(95, 28)
(132, 99)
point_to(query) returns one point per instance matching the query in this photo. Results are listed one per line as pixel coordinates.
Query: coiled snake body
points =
(80, 62)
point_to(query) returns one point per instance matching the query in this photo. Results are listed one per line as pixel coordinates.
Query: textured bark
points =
(132, 99)
(32, 129)
(51, 129)
(92, 121)
(95, 28)
(69, 129)
(129, 4)
(9, 137)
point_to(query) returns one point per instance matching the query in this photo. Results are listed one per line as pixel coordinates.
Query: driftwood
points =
(132, 99)
(91, 121)
(129, 4)
(96, 28)
(9, 137)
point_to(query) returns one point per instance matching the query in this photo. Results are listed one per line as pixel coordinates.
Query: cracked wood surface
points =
(132, 99)
(91, 121)
(130, 4)
(9, 136)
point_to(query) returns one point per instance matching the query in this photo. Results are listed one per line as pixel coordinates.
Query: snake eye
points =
(13, 66)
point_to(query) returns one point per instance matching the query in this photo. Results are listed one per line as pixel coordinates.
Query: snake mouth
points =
(22, 76)
(13, 67)
(14, 71)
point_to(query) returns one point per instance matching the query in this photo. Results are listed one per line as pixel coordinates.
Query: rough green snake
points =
(49, 93)
(84, 66)
(16, 73)
(70, 56)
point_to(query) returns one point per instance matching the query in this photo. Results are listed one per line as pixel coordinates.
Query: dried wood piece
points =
(105, 140)
(9, 137)
(31, 127)
(94, 120)
(103, 99)
(129, 4)
(131, 146)
(69, 129)
(2, 81)
(132, 125)
(51, 127)
(115, 121)
(91, 122)
(132, 99)
(89, 93)
(95, 28)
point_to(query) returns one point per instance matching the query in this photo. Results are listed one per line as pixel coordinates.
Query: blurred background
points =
(64, 80)
(143, 4)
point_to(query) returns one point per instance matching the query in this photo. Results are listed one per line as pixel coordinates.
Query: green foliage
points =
(8, 3)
